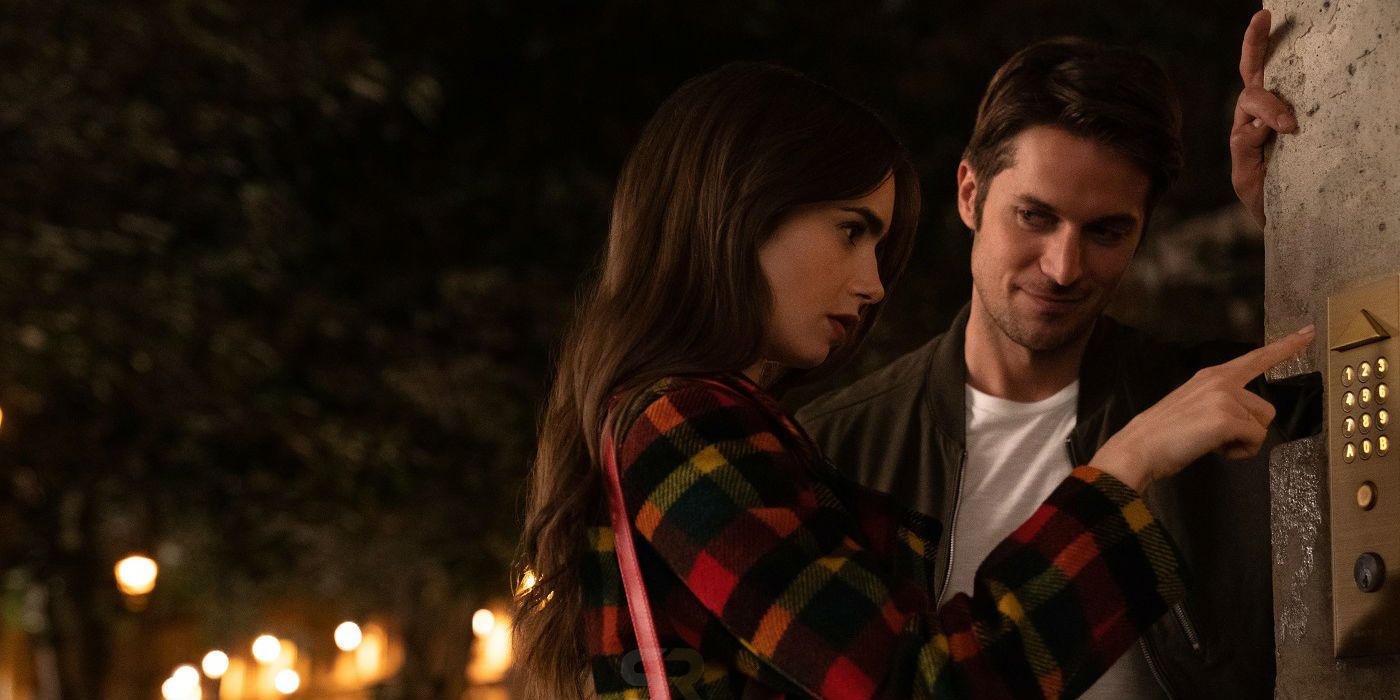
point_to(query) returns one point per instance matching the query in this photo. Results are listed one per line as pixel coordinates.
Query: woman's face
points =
(821, 266)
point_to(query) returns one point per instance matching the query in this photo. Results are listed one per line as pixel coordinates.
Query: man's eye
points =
(1033, 218)
(1110, 235)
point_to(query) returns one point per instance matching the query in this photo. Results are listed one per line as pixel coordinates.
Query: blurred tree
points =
(280, 280)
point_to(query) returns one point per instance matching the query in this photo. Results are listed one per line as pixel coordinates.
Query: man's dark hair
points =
(1111, 95)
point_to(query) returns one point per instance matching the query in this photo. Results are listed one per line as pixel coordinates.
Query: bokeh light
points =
(348, 636)
(183, 684)
(136, 574)
(215, 664)
(287, 681)
(267, 648)
(483, 622)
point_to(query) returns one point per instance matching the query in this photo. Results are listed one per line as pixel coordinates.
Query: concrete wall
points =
(1333, 203)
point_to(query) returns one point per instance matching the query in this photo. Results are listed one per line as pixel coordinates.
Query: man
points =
(1073, 145)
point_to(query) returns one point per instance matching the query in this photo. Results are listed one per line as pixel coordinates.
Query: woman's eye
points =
(854, 230)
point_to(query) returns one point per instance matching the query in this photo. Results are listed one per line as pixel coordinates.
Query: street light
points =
(215, 664)
(136, 575)
(483, 622)
(287, 681)
(183, 684)
(348, 636)
(267, 648)
(186, 674)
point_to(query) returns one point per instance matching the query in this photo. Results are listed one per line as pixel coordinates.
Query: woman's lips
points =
(841, 327)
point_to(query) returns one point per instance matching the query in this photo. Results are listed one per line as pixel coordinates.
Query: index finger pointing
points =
(1256, 362)
(1254, 49)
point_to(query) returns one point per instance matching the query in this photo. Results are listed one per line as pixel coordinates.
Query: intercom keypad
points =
(1363, 338)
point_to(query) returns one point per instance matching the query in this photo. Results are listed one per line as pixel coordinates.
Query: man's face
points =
(1057, 231)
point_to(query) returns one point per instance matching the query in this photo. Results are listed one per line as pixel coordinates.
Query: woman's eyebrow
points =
(876, 224)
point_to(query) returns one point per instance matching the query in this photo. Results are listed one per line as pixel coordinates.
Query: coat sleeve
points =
(734, 515)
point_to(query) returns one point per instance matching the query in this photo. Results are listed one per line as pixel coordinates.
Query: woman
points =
(754, 227)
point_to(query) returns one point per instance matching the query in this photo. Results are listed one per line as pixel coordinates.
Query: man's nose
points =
(1060, 260)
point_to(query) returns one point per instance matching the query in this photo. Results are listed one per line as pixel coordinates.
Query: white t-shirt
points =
(1016, 456)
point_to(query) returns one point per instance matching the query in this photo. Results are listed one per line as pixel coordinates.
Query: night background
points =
(281, 282)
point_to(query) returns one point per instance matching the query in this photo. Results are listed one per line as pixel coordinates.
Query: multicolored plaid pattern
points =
(771, 576)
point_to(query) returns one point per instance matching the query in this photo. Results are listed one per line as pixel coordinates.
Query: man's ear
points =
(967, 195)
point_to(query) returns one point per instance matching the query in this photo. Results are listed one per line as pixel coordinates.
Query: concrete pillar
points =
(1333, 204)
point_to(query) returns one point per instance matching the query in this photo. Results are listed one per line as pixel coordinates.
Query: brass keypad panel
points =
(1363, 339)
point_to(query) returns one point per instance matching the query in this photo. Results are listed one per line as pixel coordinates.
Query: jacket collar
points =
(947, 377)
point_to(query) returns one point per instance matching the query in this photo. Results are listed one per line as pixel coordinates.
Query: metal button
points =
(1348, 401)
(1365, 396)
(1364, 371)
(1348, 375)
(1349, 453)
(1366, 449)
(1349, 427)
(1365, 422)
(1382, 392)
(1381, 366)
(1366, 495)
(1369, 572)
(1382, 445)
(1382, 418)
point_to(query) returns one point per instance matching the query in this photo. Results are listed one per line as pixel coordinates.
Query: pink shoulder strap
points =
(637, 603)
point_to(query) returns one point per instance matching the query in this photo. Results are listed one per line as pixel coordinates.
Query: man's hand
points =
(1259, 114)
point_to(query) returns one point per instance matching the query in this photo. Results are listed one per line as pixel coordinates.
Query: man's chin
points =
(1047, 335)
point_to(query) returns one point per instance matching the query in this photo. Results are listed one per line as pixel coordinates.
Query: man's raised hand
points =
(1259, 114)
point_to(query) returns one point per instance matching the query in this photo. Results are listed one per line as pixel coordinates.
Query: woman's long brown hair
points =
(680, 291)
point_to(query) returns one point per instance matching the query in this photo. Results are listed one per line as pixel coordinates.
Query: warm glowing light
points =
(237, 681)
(267, 648)
(136, 574)
(183, 684)
(370, 661)
(215, 664)
(288, 656)
(2, 417)
(491, 657)
(527, 581)
(287, 681)
(348, 636)
(483, 622)
(186, 675)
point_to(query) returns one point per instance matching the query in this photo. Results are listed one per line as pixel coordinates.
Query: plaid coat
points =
(771, 576)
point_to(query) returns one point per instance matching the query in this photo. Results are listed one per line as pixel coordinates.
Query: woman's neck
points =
(764, 373)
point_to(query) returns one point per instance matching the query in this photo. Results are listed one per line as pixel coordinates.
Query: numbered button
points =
(1382, 418)
(1365, 422)
(1348, 401)
(1348, 375)
(1366, 449)
(1363, 372)
(1349, 453)
(1349, 427)
(1364, 396)
(1381, 366)
(1382, 445)
(1382, 393)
